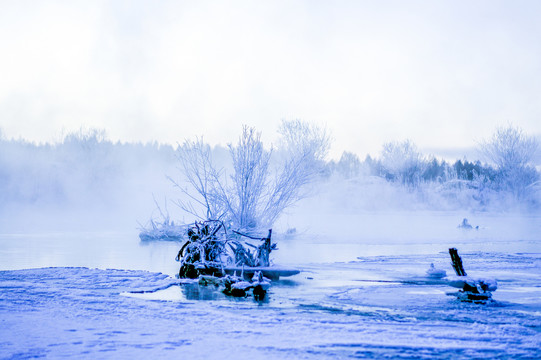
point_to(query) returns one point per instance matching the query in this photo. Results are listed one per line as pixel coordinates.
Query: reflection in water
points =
(194, 291)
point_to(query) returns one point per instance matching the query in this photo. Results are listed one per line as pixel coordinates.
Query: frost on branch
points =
(512, 152)
(163, 229)
(195, 164)
(306, 147)
(204, 252)
(253, 196)
(211, 250)
(250, 179)
(402, 162)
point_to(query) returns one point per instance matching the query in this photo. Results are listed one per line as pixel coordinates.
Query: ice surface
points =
(339, 310)
(367, 307)
(363, 293)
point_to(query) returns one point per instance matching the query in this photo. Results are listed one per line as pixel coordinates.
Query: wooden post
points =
(456, 261)
(264, 251)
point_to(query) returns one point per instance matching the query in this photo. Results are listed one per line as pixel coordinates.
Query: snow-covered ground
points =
(362, 294)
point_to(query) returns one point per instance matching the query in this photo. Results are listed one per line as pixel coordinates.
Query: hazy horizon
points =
(442, 74)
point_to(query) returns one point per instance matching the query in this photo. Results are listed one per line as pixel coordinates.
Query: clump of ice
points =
(434, 273)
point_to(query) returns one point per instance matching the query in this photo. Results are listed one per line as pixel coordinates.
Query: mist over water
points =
(88, 190)
(86, 182)
(83, 183)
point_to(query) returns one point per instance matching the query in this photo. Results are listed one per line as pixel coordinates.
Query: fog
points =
(84, 182)
(87, 182)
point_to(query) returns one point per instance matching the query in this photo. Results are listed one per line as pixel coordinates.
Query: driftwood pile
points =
(210, 252)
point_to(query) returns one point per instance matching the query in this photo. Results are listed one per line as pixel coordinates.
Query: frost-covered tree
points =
(305, 146)
(195, 163)
(251, 197)
(349, 165)
(512, 152)
(402, 162)
(510, 148)
(435, 170)
(250, 178)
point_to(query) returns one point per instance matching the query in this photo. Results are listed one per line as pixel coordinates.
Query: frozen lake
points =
(360, 295)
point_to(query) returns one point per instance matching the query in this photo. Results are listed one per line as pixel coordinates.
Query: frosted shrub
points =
(401, 162)
(306, 147)
(512, 152)
(247, 199)
(250, 197)
(196, 165)
(306, 144)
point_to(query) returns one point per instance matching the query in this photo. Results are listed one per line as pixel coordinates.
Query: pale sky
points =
(441, 73)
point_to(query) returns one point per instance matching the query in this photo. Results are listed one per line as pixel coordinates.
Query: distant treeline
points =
(350, 166)
(85, 168)
(512, 178)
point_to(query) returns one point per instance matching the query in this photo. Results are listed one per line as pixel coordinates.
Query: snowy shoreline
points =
(323, 313)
